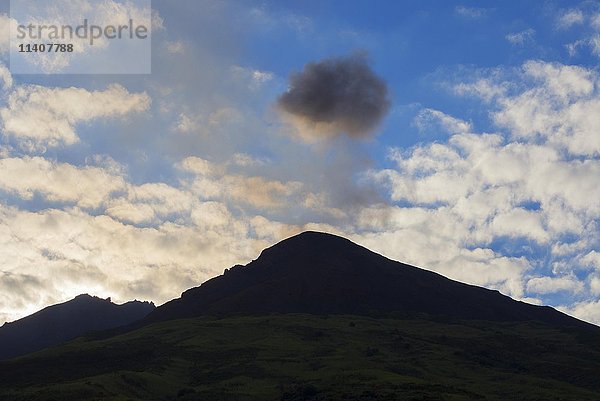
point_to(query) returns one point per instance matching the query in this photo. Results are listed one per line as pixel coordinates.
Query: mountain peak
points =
(310, 239)
(90, 298)
(310, 235)
(321, 273)
(310, 243)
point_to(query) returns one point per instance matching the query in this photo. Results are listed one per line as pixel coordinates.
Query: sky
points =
(460, 137)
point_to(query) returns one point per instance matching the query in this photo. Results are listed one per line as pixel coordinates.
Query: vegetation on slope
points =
(304, 357)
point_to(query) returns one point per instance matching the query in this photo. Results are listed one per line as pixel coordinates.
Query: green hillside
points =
(304, 357)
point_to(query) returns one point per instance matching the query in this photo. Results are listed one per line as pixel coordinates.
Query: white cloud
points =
(561, 106)
(520, 38)
(483, 88)
(115, 238)
(254, 79)
(591, 259)
(429, 119)
(201, 166)
(207, 124)
(589, 39)
(458, 196)
(520, 223)
(573, 48)
(71, 252)
(595, 21)
(187, 124)
(570, 18)
(151, 203)
(48, 116)
(245, 160)
(86, 187)
(485, 180)
(6, 76)
(587, 310)
(158, 22)
(595, 44)
(148, 241)
(212, 183)
(595, 285)
(470, 12)
(529, 186)
(431, 244)
(549, 285)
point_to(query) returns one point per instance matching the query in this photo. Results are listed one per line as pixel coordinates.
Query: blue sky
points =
(485, 169)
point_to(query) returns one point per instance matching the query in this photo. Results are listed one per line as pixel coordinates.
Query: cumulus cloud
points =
(491, 179)
(587, 310)
(591, 259)
(480, 200)
(22, 294)
(549, 285)
(336, 96)
(595, 285)
(469, 206)
(71, 252)
(212, 182)
(48, 116)
(151, 203)
(86, 187)
(96, 221)
(561, 106)
(438, 240)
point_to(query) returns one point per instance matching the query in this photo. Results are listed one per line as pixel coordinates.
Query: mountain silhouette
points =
(320, 273)
(62, 322)
(314, 317)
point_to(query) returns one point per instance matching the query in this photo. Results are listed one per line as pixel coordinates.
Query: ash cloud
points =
(336, 96)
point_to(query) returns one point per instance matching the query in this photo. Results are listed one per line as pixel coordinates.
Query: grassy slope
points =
(303, 357)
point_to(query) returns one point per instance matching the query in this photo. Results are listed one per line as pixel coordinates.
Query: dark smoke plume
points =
(336, 96)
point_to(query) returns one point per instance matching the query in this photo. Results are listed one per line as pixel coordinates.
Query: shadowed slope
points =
(59, 323)
(295, 357)
(321, 273)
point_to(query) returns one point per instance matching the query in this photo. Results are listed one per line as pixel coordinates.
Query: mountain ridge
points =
(320, 273)
(65, 321)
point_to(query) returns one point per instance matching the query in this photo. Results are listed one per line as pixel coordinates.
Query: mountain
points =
(59, 323)
(314, 318)
(320, 273)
